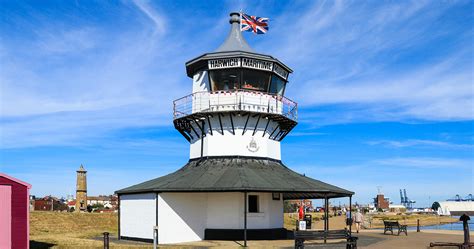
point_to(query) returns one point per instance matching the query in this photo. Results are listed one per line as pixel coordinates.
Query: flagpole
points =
(240, 23)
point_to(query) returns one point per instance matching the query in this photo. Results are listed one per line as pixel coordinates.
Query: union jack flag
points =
(255, 24)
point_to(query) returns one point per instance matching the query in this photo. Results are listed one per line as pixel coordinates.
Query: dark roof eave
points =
(328, 193)
(236, 174)
(229, 54)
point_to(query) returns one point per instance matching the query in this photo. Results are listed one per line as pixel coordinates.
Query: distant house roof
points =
(98, 198)
(231, 174)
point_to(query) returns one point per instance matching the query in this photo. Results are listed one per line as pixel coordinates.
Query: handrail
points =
(235, 100)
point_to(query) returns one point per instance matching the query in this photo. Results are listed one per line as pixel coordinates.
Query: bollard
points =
(155, 237)
(418, 225)
(467, 242)
(106, 240)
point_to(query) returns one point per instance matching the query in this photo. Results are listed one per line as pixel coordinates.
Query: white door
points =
(5, 216)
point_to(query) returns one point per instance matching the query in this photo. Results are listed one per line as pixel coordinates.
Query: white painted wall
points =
(270, 215)
(181, 217)
(228, 144)
(225, 210)
(137, 215)
(446, 207)
(201, 82)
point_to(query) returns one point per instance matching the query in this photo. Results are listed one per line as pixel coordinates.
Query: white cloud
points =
(419, 143)
(66, 41)
(357, 55)
(426, 162)
(306, 133)
(78, 74)
(151, 13)
(72, 84)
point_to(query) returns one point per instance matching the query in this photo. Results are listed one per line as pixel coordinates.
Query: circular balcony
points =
(201, 105)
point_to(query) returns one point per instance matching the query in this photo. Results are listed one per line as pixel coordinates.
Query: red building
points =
(381, 202)
(49, 203)
(14, 212)
(43, 205)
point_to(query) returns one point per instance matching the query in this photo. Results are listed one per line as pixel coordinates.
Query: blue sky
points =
(384, 88)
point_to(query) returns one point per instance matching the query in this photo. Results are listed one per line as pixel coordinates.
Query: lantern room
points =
(246, 73)
(236, 90)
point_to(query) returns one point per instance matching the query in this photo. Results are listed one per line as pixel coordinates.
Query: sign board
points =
(280, 71)
(302, 225)
(257, 64)
(223, 63)
(248, 63)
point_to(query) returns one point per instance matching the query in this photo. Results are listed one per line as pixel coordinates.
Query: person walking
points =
(358, 218)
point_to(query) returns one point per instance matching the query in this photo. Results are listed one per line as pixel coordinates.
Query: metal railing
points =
(237, 100)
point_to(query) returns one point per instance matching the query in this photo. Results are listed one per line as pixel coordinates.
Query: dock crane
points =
(405, 201)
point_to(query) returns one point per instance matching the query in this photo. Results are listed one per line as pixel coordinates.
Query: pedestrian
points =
(349, 218)
(301, 212)
(358, 218)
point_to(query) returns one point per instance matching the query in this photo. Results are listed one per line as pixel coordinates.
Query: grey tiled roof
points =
(230, 174)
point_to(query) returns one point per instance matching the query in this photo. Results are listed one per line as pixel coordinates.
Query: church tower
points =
(81, 190)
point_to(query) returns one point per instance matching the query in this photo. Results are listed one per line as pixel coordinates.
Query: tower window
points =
(253, 203)
(277, 86)
(255, 80)
(225, 80)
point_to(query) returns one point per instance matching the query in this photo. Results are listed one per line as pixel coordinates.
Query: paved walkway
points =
(416, 240)
(370, 239)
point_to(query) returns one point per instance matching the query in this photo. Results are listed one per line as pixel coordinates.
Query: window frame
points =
(211, 86)
(211, 89)
(257, 204)
(284, 85)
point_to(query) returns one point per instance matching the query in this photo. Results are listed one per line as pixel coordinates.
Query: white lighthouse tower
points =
(237, 106)
(234, 184)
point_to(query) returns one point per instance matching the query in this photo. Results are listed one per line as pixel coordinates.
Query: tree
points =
(435, 206)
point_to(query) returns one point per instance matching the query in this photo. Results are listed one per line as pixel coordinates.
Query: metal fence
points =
(238, 100)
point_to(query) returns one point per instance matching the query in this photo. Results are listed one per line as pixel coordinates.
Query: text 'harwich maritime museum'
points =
(234, 184)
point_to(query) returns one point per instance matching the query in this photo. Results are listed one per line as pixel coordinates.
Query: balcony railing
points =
(238, 100)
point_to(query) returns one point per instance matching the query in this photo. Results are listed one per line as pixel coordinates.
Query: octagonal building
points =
(234, 184)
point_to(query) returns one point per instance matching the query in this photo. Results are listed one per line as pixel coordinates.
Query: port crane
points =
(458, 198)
(405, 201)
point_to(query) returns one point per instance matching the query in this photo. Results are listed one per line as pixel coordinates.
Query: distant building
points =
(81, 190)
(456, 208)
(308, 204)
(109, 202)
(49, 203)
(44, 204)
(71, 204)
(381, 202)
(397, 208)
